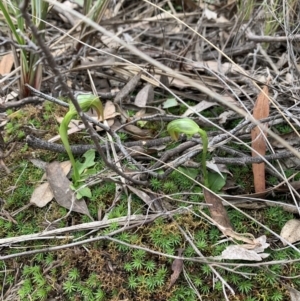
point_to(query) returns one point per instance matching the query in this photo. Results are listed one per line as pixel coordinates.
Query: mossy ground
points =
(109, 271)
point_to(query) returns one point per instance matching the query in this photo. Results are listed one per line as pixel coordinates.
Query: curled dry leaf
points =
(177, 267)
(218, 168)
(291, 231)
(142, 195)
(225, 115)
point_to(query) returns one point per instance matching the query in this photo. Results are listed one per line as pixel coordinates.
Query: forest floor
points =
(144, 220)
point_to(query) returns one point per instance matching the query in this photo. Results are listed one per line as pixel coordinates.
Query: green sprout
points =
(86, 102)
(190, 128)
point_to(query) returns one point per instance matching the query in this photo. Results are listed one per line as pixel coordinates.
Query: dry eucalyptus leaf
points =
(238, 252)
(41, 195)
(291, 231)
(6, 63)
(217, 210)
(144, 96)
(61, 190)
(65, 165)
(109, 110)
(258, 143)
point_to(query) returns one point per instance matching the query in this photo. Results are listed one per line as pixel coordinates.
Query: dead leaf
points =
(218, 168)
(6, 63)
(66, 166)
(260, 111)
(295, 295)
(142, 195)
(136, 132)
(201, 106)
(144, 96)
(291, 231)
(177, 267)
(109, 110)
(261, 243)
(170, 103)
(41, 195)
(60, 187)
(217, 210)
(238, 252)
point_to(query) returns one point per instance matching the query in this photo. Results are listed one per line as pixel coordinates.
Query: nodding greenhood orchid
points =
(86, 102)
(190, 127)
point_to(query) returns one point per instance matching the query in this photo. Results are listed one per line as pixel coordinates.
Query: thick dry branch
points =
(20, 103)
(80, 149)
(249, 160)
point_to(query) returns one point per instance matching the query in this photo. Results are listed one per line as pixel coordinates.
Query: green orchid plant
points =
(213, 181)
(86, 102)
(189, 127)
